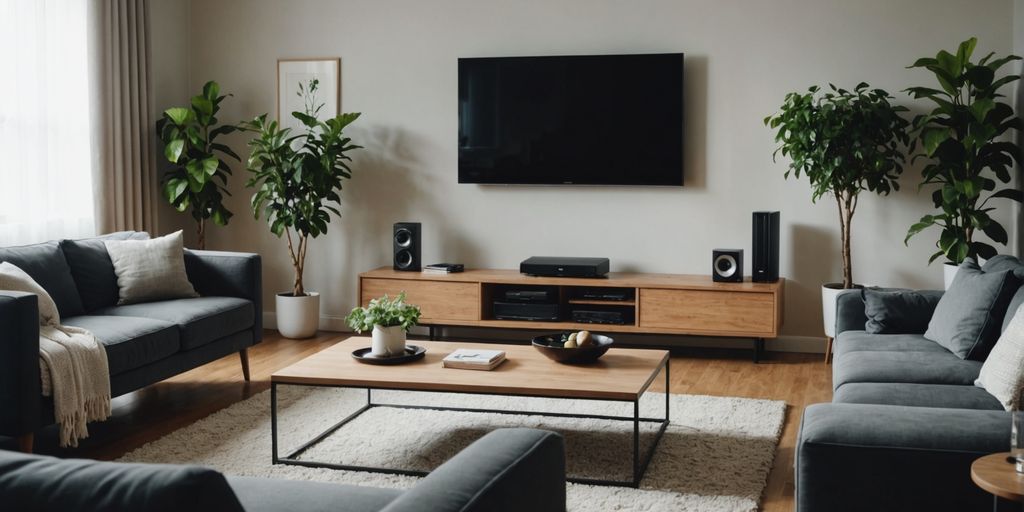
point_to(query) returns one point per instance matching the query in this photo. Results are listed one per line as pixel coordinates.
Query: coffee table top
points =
(621, 374)
(997, 476)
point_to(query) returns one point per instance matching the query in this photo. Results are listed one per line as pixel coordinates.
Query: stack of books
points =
(474, 359)
(443, 268)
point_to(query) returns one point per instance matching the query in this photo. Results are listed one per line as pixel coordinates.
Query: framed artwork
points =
(293, 72)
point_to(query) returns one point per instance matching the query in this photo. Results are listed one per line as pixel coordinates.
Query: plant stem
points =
(847, 204)
(201, 232)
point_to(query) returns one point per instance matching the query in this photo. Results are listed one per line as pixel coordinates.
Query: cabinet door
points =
(437, 300)
(709, 312)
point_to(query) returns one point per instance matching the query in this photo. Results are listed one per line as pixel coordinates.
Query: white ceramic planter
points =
(829, 295)
(298, 317)
(387, 341)
(949, 272)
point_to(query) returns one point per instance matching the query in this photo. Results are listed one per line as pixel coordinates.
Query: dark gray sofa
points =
(509, 470)
(905, 422)
(145, 343)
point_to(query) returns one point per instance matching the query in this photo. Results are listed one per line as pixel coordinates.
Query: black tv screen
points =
(592, 120)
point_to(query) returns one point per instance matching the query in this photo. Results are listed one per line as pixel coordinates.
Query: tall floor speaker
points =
(765, 261)
(406, 240)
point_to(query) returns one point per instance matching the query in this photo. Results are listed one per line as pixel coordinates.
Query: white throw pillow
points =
(15, 279)
(150, 270)
(1002, 375)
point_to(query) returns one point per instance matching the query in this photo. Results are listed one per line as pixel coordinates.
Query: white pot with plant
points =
(390, 319)
(968, 142)
(297, 179)
(845, 142)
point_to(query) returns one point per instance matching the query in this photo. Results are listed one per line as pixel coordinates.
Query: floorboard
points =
(150, 413)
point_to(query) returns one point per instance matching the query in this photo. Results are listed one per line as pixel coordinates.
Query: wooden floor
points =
(148, 414)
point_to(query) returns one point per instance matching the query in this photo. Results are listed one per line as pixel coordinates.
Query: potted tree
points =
(297, 179)
(198, 176)
(970, 157)
(390, 320)
(844, 142)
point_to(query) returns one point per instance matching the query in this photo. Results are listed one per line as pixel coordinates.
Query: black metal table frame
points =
(639, 465)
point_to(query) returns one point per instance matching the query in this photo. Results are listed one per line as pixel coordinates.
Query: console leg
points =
(758, 349)
(244, 356)
(432, 337)
(25, 442)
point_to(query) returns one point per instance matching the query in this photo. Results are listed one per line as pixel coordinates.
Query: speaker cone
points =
(403, 258)
(725, 265)
(403, 237)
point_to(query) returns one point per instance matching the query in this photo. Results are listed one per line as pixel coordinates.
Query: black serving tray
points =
(412, 353)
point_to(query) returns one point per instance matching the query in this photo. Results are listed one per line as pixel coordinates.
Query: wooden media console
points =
(652, 303)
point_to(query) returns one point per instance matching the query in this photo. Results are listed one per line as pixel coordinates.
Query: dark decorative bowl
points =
(551, 346)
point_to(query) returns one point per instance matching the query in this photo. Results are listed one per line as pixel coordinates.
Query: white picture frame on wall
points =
(293, 72)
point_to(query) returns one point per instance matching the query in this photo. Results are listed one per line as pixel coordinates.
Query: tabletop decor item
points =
(390, 319)
(411, 353)
(573, 347)
(474, 359)
(296, 180)
(844, 142)
(968, 150)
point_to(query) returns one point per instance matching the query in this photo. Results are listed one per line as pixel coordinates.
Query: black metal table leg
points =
(636, 443)
(758, 349)
(273, 422)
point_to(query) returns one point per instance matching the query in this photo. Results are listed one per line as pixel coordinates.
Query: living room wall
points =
(399, 69)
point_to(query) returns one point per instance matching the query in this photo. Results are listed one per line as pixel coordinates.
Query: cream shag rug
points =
(715, 455)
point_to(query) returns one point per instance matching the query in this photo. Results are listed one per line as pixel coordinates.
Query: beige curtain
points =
(124, 172)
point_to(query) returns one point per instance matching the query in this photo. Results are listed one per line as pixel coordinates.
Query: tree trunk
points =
(847, 204)
(201, 234)
(298, 261)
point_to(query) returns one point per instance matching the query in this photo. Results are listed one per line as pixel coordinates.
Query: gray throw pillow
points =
(968, 317)
(91, 267)
(150, 270)
(898, 311)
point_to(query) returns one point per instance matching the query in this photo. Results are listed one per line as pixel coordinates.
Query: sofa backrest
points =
(33, 482)
(92, 270)
(1006, 262)
(46, 264)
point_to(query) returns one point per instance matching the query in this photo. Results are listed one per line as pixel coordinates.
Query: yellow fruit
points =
(571, 343)
(572, 337)
(584, 339)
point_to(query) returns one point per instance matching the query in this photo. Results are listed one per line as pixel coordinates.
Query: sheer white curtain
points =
(46, 151)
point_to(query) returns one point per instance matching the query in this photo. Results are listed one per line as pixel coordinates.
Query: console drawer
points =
(438, 300)
(710, 312)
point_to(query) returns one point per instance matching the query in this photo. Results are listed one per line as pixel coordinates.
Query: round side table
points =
(1000, 478)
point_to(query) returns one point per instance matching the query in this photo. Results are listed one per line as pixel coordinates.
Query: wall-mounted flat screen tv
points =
(579, 120)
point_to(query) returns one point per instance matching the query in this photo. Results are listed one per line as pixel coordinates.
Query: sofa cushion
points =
(200, 320)
(46, 264)
(92, 270)
(916, 395)
(131, 342)
(898, 311)
(264, 494)
(33, 482)
(909, 366)
(969, 316)
(861, 341)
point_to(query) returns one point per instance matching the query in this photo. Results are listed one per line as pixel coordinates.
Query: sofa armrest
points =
(884, 457)
(850, 312)
(20, 387)
(229, 274)
(505, 471)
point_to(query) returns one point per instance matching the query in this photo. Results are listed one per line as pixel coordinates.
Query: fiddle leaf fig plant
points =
(844, 142)
(970, 158)
(297, 177)
(385, 312)
(198, 176)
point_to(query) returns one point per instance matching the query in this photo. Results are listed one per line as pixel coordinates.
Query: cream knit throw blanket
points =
(72, 364)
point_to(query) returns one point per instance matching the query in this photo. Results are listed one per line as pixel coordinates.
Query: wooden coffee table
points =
(999, 477)
(621, 375)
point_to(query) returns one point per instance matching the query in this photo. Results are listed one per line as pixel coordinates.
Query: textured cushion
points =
(200, 320)
(15, 279)
(149, 270)
(970, 314)
(47, 266)
(898, 312)
(130, 342)
(1002, 375)
(270, 495)
(917, 367)
(92, 269)
(860, 341)
(916, 395)
(32, 482)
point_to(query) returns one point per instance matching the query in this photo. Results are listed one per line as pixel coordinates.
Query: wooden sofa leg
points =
(828, 349)
(244, 355)
(25, 442)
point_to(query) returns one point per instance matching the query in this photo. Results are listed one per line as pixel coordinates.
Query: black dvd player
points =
(554, 266)
(532, 311)
(585, 316)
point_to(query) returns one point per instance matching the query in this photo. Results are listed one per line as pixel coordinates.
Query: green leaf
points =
(996, 232)
(179, 115)
(981, 108)
(173, 149)
(202, 105)
(933, 137)
(174, 188)
(210, 166)
(965, 50)
(211, 90)
(1009, 193)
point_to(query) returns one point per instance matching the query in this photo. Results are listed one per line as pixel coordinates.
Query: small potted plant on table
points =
(390, 319)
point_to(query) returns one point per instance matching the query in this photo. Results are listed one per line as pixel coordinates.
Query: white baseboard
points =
(802, 344)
